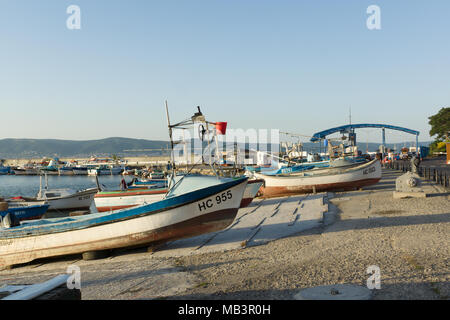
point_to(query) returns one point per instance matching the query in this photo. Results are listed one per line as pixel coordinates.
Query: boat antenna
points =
(171, 139)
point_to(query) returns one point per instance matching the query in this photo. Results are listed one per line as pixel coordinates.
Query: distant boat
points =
(325, 179)
(80, 171)
(49, 171)
(4, 170)
(66, 171)
(183, 213)
(63, 198)
(105, 170)
(155, 183)
(284, 168)
(27, 171)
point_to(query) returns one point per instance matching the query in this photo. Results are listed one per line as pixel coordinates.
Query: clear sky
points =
(297, 66)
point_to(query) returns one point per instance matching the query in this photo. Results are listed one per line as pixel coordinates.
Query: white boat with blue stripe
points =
(193, 206)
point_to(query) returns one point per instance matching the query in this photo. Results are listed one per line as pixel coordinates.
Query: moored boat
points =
(26, 171)
(80, 171)
(65, 171)
(66, 198)
(326, 179)
(4, 170)
(105, 170)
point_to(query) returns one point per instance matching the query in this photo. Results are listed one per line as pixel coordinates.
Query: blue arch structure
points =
(350, 128)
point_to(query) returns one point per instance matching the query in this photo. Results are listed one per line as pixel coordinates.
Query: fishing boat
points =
(180, 214)
(105, 170)
(66, 198)
(80, 171)
(251, 191)
(27, 171)
(287, 168)
(154, 183)
(326, 179)
(120, 199)
(26, 212)
(4, 170)
(59, 199)
(65, 171)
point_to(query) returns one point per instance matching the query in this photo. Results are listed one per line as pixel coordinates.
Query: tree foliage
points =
(440, 124)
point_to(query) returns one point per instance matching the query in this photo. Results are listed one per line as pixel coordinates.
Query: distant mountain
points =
(122, 147)
(36, 148)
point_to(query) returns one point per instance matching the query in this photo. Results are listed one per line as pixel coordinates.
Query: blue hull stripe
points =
(26, 212)
(40, 227)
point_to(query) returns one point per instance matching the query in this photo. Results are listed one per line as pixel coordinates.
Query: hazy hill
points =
(35, 148)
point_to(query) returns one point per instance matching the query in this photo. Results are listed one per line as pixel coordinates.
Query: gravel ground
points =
(406, 238)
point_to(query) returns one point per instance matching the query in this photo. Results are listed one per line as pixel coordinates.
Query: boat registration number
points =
(206, 204)
(370, 170)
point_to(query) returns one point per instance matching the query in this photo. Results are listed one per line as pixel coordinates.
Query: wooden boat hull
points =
(206, 210)
(333, 180)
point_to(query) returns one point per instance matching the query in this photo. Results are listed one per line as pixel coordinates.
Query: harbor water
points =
(28, 186)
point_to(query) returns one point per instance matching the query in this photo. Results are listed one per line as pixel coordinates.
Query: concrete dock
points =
(277, 247)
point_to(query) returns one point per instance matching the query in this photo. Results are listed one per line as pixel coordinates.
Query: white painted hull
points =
(26, 172)
(78, 172)
(104, 172)
(121, 202)
(250, 192)
(111, 203)
(183, 221)
(79, 200)
(322, 180)
(65, 172)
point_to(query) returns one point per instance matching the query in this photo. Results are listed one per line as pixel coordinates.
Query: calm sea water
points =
(28, 186)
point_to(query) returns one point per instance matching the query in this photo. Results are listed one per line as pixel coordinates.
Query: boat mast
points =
(171, 140)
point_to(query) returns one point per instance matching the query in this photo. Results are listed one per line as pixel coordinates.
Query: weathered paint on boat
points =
(27, 212)
(77, 200)
(188, 214)
(330, 179)
(115, 200)
(251, 191)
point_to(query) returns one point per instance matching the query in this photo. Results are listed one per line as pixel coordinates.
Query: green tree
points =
(440, 125)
